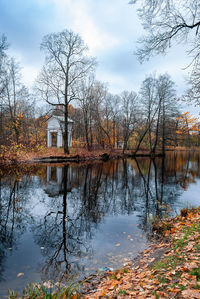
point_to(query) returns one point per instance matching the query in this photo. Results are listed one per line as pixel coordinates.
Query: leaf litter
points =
(168, 269)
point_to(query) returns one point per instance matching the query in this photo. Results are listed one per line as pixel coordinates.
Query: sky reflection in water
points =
(58, 222)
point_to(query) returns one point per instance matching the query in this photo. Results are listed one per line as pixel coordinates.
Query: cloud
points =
(83, 22)
(24, 23)
(29, 74)
(109, 28)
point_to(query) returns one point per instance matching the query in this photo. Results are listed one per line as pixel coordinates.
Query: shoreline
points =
(82, 156)
(168, 268)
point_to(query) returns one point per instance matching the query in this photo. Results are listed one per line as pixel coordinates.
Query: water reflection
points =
(55, 183)
(13, 216)
(63, 229)
(73, 215)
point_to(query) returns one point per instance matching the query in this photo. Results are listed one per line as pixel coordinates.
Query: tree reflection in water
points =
(14, 215)
(77, 198)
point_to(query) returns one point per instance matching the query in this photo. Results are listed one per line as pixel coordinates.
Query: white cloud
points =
(81, 21)
(116, 82)
(29, 74)
(28, 70)
(109, 28)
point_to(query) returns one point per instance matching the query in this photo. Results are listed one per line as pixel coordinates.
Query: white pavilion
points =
(55, 129)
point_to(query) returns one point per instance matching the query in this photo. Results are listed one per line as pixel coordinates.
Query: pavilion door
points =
(54, 139)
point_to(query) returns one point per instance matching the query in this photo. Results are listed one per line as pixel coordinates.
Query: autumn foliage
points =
(176, 274)
(188, 130)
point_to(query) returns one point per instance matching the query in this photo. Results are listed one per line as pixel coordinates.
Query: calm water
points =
(58, 222)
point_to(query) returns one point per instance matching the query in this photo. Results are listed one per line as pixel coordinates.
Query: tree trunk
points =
(157, 129)
(163, 128)
(125, 144)
(149, 130)
(114, 134)
(91, 135)
(175, 138)
(86, 131)
(140, 141)
(66, 147)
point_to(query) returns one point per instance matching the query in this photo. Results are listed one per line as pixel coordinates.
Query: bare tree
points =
(100, 113)
(3, 45)
(193, 94)
(113, 102)
(91, 94)
(66, 64)
(128, 115)
(167, 104)
(149, 104)
(159, 111)
(3, 48)
(15, 97)
(85, 102)
(168, 21)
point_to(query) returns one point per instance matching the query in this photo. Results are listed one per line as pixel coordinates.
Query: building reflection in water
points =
(55, 184)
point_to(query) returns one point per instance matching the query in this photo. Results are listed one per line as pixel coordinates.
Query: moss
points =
(168, 262)
(196, 272)
(124, 270)
(162, 279)
(122, 292)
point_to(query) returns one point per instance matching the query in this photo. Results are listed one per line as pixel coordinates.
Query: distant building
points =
(55, 129)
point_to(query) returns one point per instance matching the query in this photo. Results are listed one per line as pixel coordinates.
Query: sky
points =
(109, 28)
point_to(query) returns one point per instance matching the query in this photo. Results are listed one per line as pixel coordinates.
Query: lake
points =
(62, 222)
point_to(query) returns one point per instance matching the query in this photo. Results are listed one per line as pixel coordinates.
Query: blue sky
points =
(110, 29)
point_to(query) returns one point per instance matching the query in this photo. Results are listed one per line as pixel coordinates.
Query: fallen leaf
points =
(190, 266)
(167, 233)
(20, 274)
(191, 294)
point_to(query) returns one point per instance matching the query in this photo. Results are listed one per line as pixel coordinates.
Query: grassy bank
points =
(168, 269)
